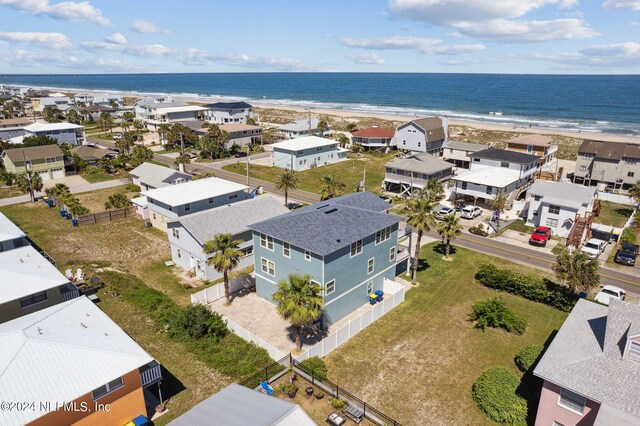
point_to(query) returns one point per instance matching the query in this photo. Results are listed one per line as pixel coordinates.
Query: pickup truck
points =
(627, 253)
(594, 248)
(540, 236)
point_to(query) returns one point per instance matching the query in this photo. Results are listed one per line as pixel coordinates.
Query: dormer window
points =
(634, 351)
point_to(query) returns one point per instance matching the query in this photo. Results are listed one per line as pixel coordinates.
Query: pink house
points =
(591, 370)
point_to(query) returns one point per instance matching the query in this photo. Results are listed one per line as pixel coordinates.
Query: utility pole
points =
(247, 165)
(309, 132)
(364, 179)
(28, 175)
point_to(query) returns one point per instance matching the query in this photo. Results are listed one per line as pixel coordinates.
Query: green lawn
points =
(420, 360)
(349, 172)
(99, 175)
(10, 191)
(614, 214)
(519, 226)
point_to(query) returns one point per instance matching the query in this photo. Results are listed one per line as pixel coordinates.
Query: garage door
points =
(44, 175)
(57, 173)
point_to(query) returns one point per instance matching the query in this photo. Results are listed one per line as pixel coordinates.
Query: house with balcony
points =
(62, 103)
(458, 152)
(348, 245)
(614, 164)
(423, 135)
(228, 112)
(11, 236)
(301, 128)
(376, 138)
(559, 205)
(539, 145)
(63, 133)
(163, 110)
(403, 176)
(29, 283)
(495, 171)
(188, 234)
(76, 366)
(46, 160)
(13, 127)
(242, 134)
(173, 201)
(590, 370)
(306, 153)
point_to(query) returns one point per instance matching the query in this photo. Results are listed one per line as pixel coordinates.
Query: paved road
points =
(74, 190)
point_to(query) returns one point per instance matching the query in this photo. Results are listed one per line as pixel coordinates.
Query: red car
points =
(540, 236)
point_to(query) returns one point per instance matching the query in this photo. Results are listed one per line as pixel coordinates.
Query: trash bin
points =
(74, 222)
(62, 213)
(373, 299)
(379, 294)
(67, 215)
(140, 421)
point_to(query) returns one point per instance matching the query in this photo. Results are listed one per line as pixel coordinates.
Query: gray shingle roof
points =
(465, 146)
(422, 163)
(33, 153)
(229, 105)
(330, 225)
(504, 155)
(564, 194)
(586, 355)
(610, 150)
(156, 176)
(432, 126)
(233, 218)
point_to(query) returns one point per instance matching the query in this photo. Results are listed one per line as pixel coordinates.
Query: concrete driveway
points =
(518, 238)
(70, 181)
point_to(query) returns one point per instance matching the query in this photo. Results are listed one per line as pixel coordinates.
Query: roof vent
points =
(331, 211)
(39, 330)
(323, 206)
(83, 325)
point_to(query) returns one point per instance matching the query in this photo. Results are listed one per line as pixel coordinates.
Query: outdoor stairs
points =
(582, 224)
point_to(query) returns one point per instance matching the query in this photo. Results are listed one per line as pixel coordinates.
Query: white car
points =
(609, 292)
(470, 212)
(445, 211)
(594, 248)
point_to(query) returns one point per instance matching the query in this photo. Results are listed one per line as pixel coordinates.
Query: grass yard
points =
(420, 360)
(10, 191)
(519, 226)
(98, 175)
(349, 172)
(614, 214)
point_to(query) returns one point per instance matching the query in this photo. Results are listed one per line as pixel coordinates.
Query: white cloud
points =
(424, 45)
(622, 4)
(494, 20)
(146, 27)
(600, 56)
(193, 56)
(367, 58)
(66, 11)
(130, 49)
(114, 65)
(54, 41)
(26, 59)
(116, 38)
(457, 49)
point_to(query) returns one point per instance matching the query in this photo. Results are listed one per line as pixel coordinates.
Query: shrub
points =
(317, 366)
(494, 313)
(288, 389)
(478, 230)
(528, 286)
(131, 187)
(628, 235)
(195, 322)
(337, 404)
(527, 356)
(495, 393)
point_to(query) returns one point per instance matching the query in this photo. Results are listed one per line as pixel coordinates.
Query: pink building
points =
(591, 370)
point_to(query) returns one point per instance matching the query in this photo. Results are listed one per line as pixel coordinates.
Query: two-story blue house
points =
(347, 244)
(171, 202)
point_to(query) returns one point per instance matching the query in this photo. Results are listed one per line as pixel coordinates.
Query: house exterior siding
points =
(619, 173)
(12, 309)
(411, 137)
(224, 115)
(40, 165)
(550, 411)
(306, 158)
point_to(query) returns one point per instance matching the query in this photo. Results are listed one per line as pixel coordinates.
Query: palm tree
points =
(421, 219)
(498, 205)
(331, 187)
(576, 271)
(117, 201)
(58, 191)
(323, 126)
(30, 183)
(74, 117)
(286, 182)
(127, 120)
(299, 301)
(356, 148)
(163, 130)
(449, 229)
(218, 135)
(226, 257)
(75, 208)
(634, 192)
(181, 159)
(435, 189)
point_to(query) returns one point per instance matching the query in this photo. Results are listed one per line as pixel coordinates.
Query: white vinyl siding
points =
(634, 352)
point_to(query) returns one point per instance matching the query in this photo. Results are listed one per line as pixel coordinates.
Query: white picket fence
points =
(395, 296)
(616, 198)
(215, 292)
(274, 352)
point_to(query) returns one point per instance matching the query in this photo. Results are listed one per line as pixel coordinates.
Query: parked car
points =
(458, 204)
(594, 248)
(627, 253)
(609, 292)
(117, 136)
(470, 212)
(540, 236)
(385, 198)
(444, 212)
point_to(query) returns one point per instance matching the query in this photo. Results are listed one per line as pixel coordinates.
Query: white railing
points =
(274, 352)
(616, 198)
(216, 292)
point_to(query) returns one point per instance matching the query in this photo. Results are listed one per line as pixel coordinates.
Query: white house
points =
(151, 176)
(188, 234)
(228, 112)
(156, 111)
(63, 103)
(496, 171)
(171, 202)
(423, 135)
(307, 152)
(301, 128)
(557, 204)
(72, 134)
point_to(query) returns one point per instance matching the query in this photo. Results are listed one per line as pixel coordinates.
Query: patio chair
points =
(69, 274)
(264, 387)
(79, 274)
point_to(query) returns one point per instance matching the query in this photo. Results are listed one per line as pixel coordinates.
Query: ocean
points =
(588, 103)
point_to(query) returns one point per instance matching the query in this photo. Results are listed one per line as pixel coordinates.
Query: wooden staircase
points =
(581, 229)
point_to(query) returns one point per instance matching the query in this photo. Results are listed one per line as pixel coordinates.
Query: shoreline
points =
(351, 115)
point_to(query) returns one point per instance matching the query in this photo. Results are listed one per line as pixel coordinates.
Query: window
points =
(551, 222)
(199, 265)
(630, 174)
(489, 189)
(307, 255)
(370, 265)
(179, 253)
(583, 168)
(233, 197)
(476, 160)
(268, 267)
(154, 216)
(108, 388)
(634, 352)
(286, 249)
(572, 401)
(383, 235)
(50, 160)
(392, 254)
(555, 423)
(536, 197)
(330, 287)
(419, 144)
(27, 164)
(464, 185)
(266, 242)
(33, 299)
(356, 248)
(504, 164)
(176, 233)
(369, 287)
(554, 209)
(210, 200)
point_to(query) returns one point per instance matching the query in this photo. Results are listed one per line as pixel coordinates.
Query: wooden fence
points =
(106, 216)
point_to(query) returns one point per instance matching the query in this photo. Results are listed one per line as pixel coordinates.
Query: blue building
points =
(349, 245)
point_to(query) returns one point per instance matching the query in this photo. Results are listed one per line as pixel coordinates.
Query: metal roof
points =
(498, 177)
(155, 175)
(563, 194)
(48, 127)
(237, 405)
(60, 353)
(8, 229)
(304, 143)
(330, 225)
(196, 190)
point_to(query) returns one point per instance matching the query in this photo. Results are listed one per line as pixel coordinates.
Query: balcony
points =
(150, 374)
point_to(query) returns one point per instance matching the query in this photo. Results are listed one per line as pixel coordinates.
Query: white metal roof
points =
(185, 108)
(304, 143)
(563, 194)
(8, 229)
(48, 127)
(23, 271)
(491, 176)
(61, 353)
(189, 192)
(300, 125)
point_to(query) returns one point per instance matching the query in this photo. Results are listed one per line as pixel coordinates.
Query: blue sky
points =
(503, 36)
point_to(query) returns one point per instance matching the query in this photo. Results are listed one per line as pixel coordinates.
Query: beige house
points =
(615, 164)
(539, 145)
(458, 152)
(46, 160)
